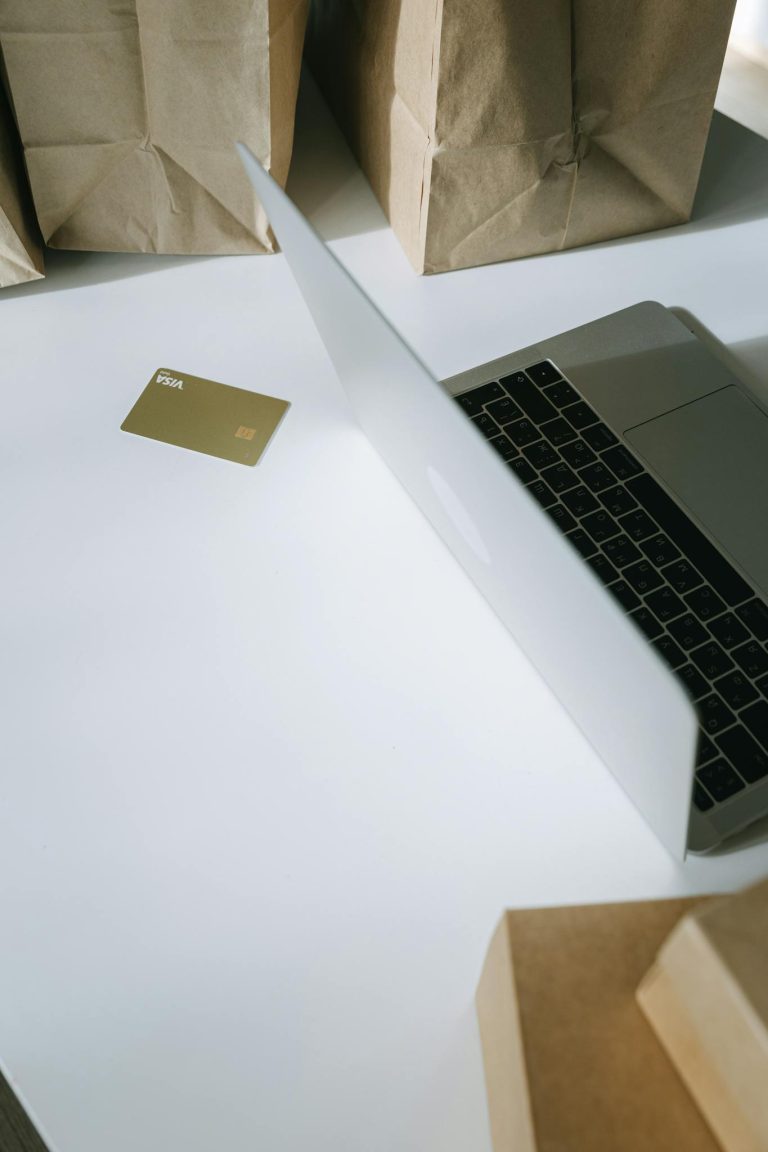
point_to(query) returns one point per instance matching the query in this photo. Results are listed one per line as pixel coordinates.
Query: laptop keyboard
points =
(694, 608)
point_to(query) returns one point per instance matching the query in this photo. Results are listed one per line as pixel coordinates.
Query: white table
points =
(271, 768)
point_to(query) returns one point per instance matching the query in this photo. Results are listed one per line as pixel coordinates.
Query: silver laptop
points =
(603, 489)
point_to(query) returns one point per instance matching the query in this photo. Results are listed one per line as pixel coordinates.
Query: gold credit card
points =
(205, 416)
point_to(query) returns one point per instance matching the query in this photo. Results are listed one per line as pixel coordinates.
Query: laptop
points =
(603, 490)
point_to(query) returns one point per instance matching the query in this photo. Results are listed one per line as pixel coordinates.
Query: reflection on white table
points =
(271, 767)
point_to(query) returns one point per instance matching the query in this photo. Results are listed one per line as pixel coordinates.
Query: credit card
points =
(205, 416)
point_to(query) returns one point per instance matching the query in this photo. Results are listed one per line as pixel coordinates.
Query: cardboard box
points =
(707, 999)
(571, 1064)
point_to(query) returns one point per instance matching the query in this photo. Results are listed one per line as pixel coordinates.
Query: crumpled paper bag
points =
(128, 112)
(494, 129)
(21, 255)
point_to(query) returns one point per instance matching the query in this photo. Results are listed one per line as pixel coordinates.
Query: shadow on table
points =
(325, 180)
(747, 359)
(65, 270)
(733, 187)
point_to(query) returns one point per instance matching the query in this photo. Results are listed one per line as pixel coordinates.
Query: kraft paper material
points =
(706, 996)
(21, 256)
(128, 112)
(570, 1062)
(494, 129)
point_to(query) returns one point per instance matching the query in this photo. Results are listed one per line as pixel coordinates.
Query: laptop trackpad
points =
(713, 455)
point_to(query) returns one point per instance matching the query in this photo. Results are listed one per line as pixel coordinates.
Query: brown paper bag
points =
(21, 255)
(493, 129)
(706, 997)
(128, 113)
(570, 1063)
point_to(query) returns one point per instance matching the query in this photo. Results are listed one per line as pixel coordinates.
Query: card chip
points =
(244, 433)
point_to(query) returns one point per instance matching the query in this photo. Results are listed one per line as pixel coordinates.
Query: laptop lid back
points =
(615, 687)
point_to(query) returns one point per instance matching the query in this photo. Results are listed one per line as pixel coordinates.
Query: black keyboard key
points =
(562, 518)
(700, 798)
(682, 576)
(621, 551)
(617, 500)
(515, 376)
(693, 681)
(487, 426)
(577, 454)
(560, 477)
(602, 566)
(750, 760)
(623, 463)
(561, 393)
(688, 632)
(504, 410)
(705, 750)
(672, 653)
(756, 719)
(666, 604)
(541, 454)
(714, 714)
(580, 501)
(720, 780)
(736, 690)
(638, 525)
(504, 447)
(660, 550)
(530, 399)
(522, 432)
(762, 685)
(599, 437)
(713, 566)
(751, 658)
(624, 594)
(580, 415)
(523, 470)
(600, 526)
(755, 615)
(558, 432)
(472, 402)
(543, 373)
(582, 542)
(729, 630)
(643, 577)
(711, 660)
(597, 477)
(705, 603)
(647, 622)
(545, 496)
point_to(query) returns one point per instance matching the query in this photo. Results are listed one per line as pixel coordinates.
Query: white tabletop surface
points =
(271, 768)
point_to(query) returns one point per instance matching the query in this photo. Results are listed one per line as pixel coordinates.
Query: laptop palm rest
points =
(713, 455)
